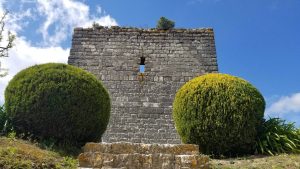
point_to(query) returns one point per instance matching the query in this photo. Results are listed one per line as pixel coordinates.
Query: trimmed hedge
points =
(220, 113)
(58, 101)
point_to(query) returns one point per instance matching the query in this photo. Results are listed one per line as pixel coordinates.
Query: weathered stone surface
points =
(127, 148)
(142, 156)
(145, 161)
(142, 103)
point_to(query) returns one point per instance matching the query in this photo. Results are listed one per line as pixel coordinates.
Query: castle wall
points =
(142, 103)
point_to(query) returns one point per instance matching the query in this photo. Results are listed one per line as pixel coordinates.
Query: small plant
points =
(276, 136)
(95, 25)
(67, 163)
(165, 24)
(47, 144)
(12, 135)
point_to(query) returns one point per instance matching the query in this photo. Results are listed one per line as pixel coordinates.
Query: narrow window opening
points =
(142, 65)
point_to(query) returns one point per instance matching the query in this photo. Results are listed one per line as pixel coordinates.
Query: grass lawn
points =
(20, 154)
(288, 161)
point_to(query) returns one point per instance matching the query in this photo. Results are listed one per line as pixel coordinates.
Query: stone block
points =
(127, 148)
(142, 156)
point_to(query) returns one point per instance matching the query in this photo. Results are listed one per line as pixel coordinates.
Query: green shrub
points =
(220, 113)
(3, 118)
(58, 101)
(276, 136)
(165, 24)
(5, 125)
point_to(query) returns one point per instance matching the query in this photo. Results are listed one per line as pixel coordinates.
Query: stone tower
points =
(142, 70)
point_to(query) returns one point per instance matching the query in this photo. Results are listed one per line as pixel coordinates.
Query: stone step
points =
(130, 148)
(142, 161)
(122, 155)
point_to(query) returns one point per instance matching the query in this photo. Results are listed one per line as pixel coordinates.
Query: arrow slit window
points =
(142, 65)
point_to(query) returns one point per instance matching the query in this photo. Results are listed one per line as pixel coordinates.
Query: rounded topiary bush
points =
(220, 113)
(58, 101)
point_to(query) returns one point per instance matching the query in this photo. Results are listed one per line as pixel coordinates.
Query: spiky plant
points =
(276, 136)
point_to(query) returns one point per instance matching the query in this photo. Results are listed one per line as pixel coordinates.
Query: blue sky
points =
(258, 40)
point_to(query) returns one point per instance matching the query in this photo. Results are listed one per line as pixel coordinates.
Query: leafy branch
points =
(4, 48)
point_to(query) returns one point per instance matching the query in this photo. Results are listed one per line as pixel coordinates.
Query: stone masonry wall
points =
(142, 103)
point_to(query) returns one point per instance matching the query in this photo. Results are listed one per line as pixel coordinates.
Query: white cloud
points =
(55, 20)
(285, 105)
(101, 21)
(63, 15)
(24, 55)
(16, 22)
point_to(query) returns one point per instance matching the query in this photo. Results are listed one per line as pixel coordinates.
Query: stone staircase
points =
(123, 155)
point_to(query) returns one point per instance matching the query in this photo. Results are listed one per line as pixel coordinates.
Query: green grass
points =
(20, 154)
(282, 161)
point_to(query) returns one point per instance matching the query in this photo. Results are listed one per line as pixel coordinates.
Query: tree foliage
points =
(165, 24)
(4, 47)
